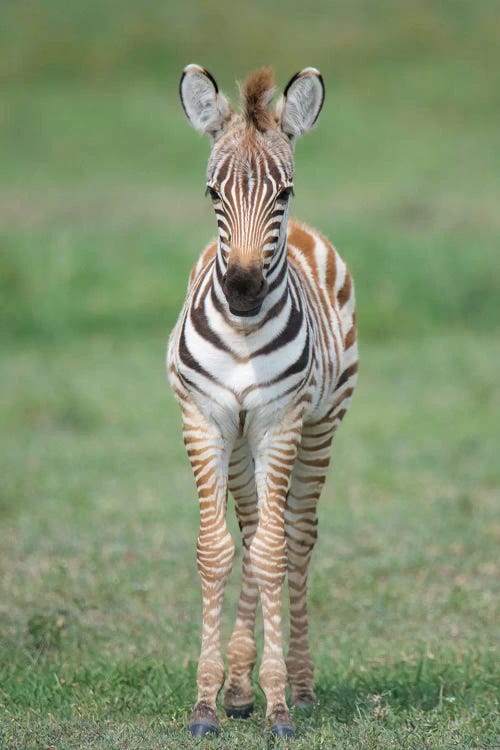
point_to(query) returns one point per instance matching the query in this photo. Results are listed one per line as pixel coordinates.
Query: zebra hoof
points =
(202, 728)
(239, 712)
(203, 720)
(283, 731)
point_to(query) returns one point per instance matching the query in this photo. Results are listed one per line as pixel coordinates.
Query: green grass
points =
(101, 215)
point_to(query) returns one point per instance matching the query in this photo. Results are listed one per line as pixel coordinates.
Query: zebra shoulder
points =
(319, 255)
(318, 259)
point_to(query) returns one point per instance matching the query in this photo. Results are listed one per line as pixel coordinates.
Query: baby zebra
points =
(263, 363)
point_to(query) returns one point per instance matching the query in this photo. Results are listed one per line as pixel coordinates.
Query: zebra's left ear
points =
(206, 109)
(301, 103)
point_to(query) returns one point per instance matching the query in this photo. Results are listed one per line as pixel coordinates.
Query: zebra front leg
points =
(209, 456)
(308, 478)
(242, 652)
(274, 459)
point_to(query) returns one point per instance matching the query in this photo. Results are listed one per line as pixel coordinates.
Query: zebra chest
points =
(223, 385)
(226, 374)
(247, 381)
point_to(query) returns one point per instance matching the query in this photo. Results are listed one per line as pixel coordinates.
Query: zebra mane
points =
(257, 91)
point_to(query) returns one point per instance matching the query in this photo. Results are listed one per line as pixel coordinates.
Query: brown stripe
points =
(350, 337)
(346, 375)
(344, 293)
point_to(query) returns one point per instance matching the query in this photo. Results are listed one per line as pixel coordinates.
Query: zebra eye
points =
(212, 192)
(285, 194)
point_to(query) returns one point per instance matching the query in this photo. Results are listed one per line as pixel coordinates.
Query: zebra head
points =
(250, 171)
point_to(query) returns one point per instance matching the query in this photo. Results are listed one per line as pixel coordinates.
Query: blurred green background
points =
(403, 171)
(101, 216)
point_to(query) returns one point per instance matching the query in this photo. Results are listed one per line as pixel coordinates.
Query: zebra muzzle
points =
(245, 288)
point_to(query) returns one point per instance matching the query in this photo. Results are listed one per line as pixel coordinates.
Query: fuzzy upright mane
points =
(256, 94)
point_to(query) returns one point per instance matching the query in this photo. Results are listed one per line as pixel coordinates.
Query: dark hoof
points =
(202, 728)
(283, 731)
(239, 712)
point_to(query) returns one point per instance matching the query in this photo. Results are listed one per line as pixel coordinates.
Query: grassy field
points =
(101, 215)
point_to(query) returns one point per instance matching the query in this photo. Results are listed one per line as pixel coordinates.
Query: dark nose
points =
(245, 288)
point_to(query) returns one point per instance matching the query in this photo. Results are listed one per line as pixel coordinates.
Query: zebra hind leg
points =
(301, 532)
(242, 652)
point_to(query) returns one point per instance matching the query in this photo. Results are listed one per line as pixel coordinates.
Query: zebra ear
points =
(301, 103)
(206, 109)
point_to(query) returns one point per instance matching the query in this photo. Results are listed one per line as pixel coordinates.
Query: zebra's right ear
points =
(206, 109)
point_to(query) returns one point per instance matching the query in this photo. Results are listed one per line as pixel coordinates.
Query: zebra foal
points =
(263, 363)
